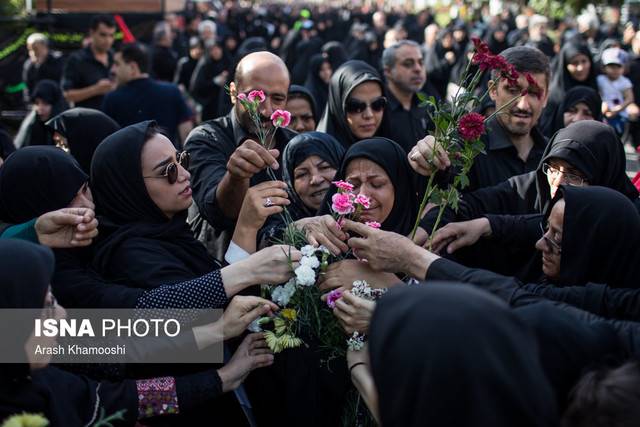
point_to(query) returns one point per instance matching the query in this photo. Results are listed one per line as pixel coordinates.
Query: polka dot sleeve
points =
(202, 293)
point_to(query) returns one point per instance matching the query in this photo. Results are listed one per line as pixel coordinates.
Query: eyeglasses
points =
(569, 178)
(355, 106)
(555, 246)
(171, 172)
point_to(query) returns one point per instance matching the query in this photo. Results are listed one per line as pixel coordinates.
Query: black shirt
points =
(211, 145)
(408, 126)
(50, 69)
(501, 160)
(83, 70)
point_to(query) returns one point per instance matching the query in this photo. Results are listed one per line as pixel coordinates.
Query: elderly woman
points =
(580, 103)
(356, 104)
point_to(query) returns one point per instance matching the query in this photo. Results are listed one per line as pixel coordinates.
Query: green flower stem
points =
(441, 208)
(425, 198)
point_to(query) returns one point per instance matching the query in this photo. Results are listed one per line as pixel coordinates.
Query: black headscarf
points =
(393, 159)
(336, 54)
(569, 346)
(444, 355)
(318, 88)
(125, 210)
(496, 46)
(84, 129)
(600, 235)
(301, 90)
(298, 150)
(32, 130)
(574, 96)
(343, 82)
(36, 180)
(594, 149)
(562, 81)
(63, 398)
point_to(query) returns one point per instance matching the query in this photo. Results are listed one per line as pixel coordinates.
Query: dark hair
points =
(606, 398)
(107, 20)
(135, 52)
(526, 59)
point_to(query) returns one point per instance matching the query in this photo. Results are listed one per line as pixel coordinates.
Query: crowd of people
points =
(139, 180)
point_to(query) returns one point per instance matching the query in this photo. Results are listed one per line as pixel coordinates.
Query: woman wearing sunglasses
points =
(356, 104)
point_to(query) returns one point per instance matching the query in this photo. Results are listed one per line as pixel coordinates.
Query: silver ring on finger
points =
(268, 202)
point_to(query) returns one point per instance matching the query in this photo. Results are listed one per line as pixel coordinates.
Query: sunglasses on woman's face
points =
(355, 106)
(171, 171)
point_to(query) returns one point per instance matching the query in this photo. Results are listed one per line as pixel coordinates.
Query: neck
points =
(402, 96)
(523, 144)
(97, 52)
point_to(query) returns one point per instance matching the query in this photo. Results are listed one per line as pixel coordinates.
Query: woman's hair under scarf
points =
(393, 159)
(600, 235)
(446, 354)
(594, 149)
(300, 148)
(343, 82)
(36, 180)
(63, 398)
(84, 129)
(571, 343)
(303, 92)
(574, 96)
(125, 209)
(562, 81)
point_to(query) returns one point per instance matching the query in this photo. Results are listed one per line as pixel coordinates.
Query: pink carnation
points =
(342, 204)
(242, 97)
(362, 200)
(343, 185)
(372, 224)
(256, 95)
(333, 296)
(281, 118)
(471, 126)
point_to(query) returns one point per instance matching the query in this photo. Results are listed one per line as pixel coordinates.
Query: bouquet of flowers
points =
(458, 130)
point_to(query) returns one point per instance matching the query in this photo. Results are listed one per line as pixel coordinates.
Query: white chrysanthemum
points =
(310, 261)
(324, 249)
(305, 276)
(282, 294)
(308, 250)
(255, 326)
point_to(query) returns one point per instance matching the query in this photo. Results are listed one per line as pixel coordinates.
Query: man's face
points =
(102, 37)
(301, 115)
(121, 70)
(408, 73)
(37, 51)
(521, 116)
(274, 82)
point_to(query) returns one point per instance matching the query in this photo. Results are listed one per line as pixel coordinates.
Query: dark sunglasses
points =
(171, 171)
(355, 106)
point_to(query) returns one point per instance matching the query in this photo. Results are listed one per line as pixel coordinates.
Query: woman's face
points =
(61, 142)
(578, 112)
(43, 109)
(51, 310)
(158, 154)
(579, 67)
(83, 198)
(550, 243)
(365, 123)
(560, 173)
(311, 180)
(325, 72)
(370, 179)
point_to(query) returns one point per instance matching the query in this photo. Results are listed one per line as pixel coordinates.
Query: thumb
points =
(62, 218)
(256, 312)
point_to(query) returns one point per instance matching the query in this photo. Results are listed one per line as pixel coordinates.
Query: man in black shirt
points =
(226, 155)
(404, 70)
(42, 63)
(513, 143)
(86, 75)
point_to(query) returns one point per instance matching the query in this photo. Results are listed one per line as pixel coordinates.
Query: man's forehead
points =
(408, 52)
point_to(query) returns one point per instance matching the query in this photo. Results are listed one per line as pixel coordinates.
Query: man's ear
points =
(233, 92)
(493, 90)
(387, 72)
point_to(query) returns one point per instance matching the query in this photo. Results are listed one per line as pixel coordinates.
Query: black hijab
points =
(316, 86)
(594, 149)
(343, 82)
(32, 130)
(393, 159)
(125, 211)
(84, 129)
(336, 54)
(496, 46)
(36, 180)
(63, 398)
(562, 81)
(444, 355)
(600, 235)
(575, 95)
(298, 150)
(301, 90)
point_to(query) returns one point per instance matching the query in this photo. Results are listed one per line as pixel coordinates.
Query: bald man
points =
(226, 156)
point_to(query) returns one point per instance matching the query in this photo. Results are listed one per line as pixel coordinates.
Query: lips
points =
(320, 193)
(186, 191)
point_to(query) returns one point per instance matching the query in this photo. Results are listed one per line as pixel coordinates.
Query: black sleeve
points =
(209, 157)
(195, 389)
(70, 74)
(201, 293)
(516, 231)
